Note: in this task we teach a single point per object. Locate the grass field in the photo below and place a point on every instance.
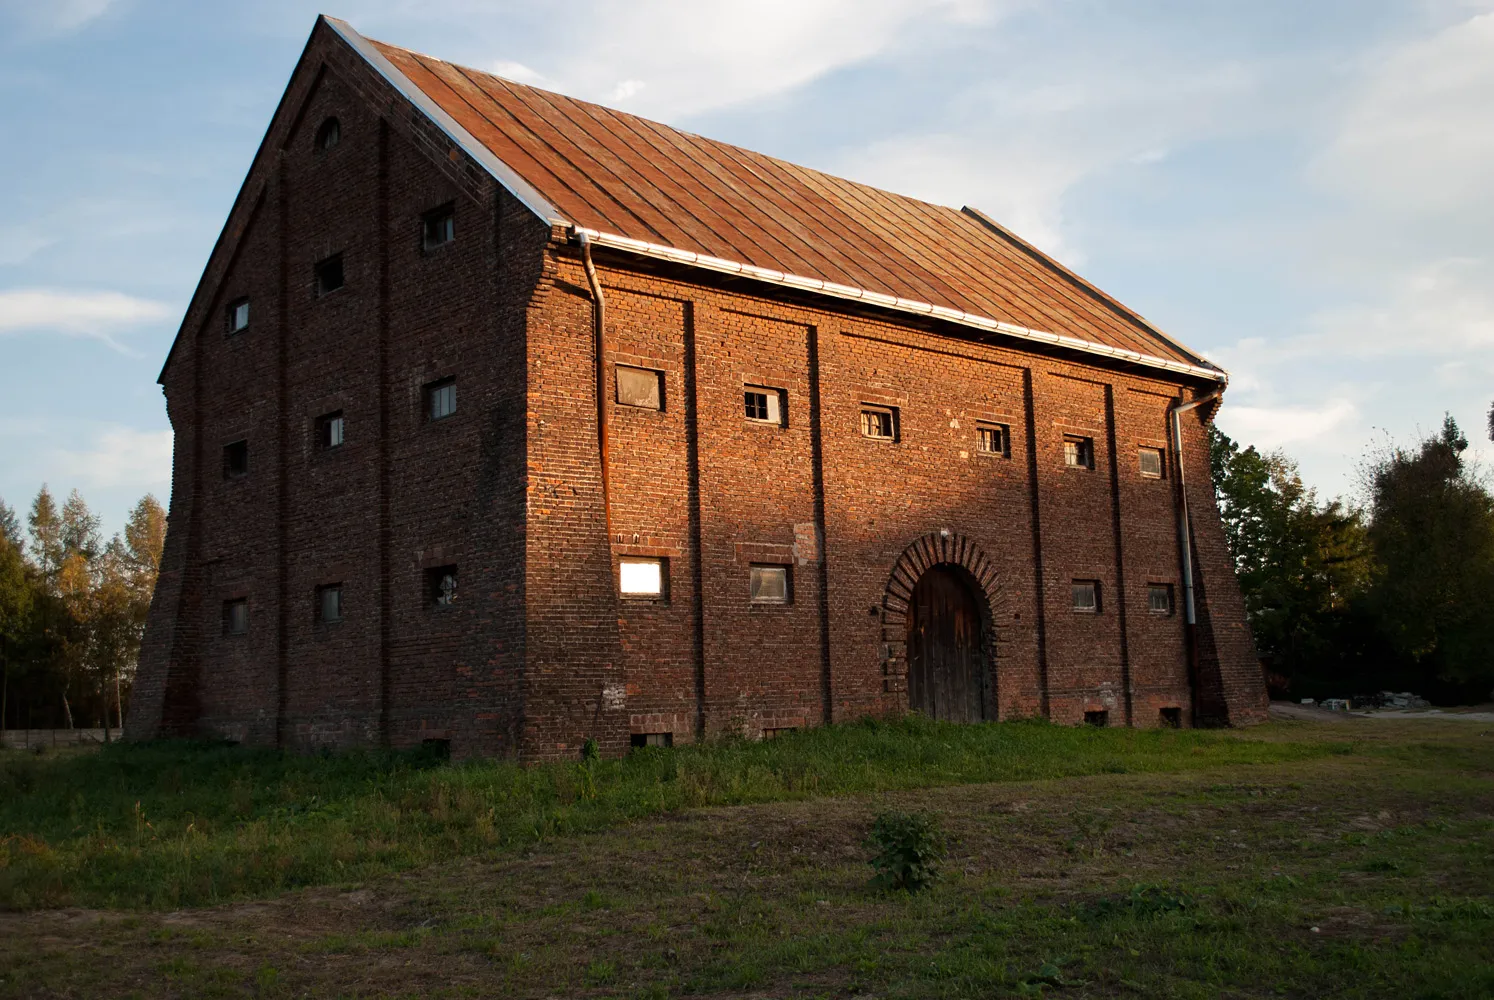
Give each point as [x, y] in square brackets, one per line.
[1352, 859]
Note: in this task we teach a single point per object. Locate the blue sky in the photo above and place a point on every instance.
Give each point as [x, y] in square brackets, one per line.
[1302, 191]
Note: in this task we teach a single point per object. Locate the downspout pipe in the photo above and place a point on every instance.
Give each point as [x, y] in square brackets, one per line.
[599, 323]
[1185, 535]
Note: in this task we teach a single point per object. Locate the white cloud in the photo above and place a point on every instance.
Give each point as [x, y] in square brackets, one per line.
[1418, 139]
[516, 71]
[120, 456]
[55, 17]
[77, 313]
[1269, 427]
[683, 57]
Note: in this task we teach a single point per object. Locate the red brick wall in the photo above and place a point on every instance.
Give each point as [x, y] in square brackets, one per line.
[539, 652]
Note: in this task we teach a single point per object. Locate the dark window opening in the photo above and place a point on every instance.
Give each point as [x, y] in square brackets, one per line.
[1171, 718]
[238, 316]
[440, 398]
[641, 387]
[329, 135]
[879, 423]
[435, 749]
[1078, 452]
[236, 616]
[773, 734]
[763, 405]
[441, 586]
[236, 460]
[329, 430]
[652, 740]
[1159, 598]
[1099, 719]
[329, 603]
[1086, 596]
[438, 227]
[769, 584]
[329, 276]
[993, 439]
[1151, 463]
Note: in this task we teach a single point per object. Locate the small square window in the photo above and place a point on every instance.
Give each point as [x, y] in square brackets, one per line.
[440, 398]
[1099, 719]
[769, 584]
[763, 404]
[879, 422]
[993, 439]
[438, 227]
[640, 740]
[441, 586]
[1086, 596]
[328, 274]
[329, 603]
[640, 387]
[238, 316]
[641, 578]
[1171, 718]
[773, 734]
[329, 429]
[1151, 463]
[236, 616]
[236, 460]
[1159, 598]
[1078, 452]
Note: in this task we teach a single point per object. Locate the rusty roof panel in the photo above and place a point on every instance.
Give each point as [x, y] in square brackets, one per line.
[612, 172]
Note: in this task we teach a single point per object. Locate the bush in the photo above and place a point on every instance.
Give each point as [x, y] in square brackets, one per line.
[909, 849]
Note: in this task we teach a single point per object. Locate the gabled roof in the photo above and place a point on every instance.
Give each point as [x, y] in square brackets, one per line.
[645, 188]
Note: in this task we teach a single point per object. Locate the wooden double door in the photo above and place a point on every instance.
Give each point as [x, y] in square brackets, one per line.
[946, 659]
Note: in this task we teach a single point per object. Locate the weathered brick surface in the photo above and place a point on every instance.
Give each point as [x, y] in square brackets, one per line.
[539, 652]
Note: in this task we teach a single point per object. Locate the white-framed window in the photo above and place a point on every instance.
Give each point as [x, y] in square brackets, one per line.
[642, 577]
[438, 227]
[763, 404]
[879, 422]
[440, 398]
[641, 740]
[1086, 596]
[993, 439]
[329, 603]
[1159, 598]
[1078, 452]
[640, 387]
[769, 584]
[238, 316]
[1151, 463]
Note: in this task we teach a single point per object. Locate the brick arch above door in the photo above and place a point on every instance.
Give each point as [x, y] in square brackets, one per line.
[938, 548]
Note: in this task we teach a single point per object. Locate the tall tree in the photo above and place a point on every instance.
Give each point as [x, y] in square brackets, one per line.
[1300, 563]
[80, 527]
[10, 527]
[1432, 530]
[45, 522]
[16, 603]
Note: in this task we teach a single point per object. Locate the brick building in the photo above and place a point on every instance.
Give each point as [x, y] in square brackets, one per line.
[510, 420]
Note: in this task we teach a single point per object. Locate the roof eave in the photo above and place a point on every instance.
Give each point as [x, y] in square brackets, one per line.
[849, 292]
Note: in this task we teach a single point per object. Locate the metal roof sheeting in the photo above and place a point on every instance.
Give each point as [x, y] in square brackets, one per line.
[692, 198]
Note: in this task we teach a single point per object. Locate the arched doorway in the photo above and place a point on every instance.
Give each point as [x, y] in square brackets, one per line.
[946, 675]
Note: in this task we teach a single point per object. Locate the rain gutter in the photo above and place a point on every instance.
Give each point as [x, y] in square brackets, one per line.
[852, 293]
[1185, 535]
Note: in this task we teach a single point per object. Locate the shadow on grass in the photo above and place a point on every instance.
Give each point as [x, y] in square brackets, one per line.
[177, 824]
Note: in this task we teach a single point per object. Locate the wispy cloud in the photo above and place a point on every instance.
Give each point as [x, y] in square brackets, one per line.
[120, 456]
[54, 17]
[95, 314]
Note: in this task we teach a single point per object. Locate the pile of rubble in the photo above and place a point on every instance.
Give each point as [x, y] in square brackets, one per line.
[1385, 699]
